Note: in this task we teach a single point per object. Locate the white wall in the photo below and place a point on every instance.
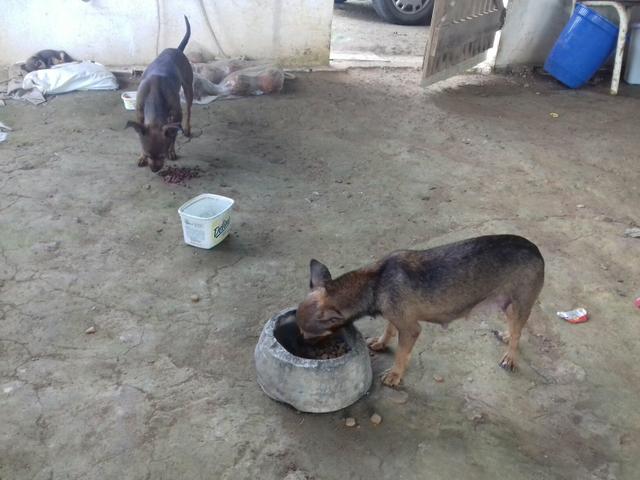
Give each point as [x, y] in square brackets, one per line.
[530, 30]
[133, 32]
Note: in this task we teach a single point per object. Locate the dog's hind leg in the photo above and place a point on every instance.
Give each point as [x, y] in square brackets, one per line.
[517, 315]
[379, 344]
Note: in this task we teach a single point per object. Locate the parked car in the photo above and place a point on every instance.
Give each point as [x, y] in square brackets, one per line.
[403, 12]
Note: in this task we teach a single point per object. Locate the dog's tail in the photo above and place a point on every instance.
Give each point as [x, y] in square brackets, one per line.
[185, 40]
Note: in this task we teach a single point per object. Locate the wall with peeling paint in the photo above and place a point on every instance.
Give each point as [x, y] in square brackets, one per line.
[126, 32]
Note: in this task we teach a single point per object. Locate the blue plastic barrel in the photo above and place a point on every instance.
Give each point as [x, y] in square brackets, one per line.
[583, 46]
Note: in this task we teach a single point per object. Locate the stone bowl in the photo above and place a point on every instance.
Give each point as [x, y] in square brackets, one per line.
[310, 385]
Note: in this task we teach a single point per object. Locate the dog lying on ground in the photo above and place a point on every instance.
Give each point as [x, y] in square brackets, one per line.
[436, 285]
[46, 59]
[158, 109]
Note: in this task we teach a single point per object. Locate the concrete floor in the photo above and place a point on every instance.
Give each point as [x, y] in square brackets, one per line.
[358, 34]
[343, 167]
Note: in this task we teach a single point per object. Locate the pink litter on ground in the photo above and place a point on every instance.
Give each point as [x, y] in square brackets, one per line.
[637, 302]
[180, 175]
[579, 315]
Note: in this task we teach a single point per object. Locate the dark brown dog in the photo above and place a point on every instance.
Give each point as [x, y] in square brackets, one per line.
[158, 109]
[436, 285]
[46, 59]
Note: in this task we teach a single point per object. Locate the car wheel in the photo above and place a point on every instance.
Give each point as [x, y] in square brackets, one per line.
[405, 12]
[339, 1]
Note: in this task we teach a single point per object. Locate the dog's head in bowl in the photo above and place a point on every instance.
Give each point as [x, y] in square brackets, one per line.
[289, 336]
[318, 316]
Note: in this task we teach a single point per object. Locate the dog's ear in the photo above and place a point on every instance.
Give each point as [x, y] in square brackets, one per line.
[172, 129]
[319, 274]
[136, 126]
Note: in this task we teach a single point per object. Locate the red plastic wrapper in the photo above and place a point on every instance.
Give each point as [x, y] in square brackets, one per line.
[637, 302]
[579, 315]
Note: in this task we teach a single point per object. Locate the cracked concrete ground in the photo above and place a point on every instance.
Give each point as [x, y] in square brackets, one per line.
[343, 167]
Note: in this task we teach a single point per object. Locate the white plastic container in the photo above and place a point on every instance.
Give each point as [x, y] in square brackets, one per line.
[129, 99]
[632, 70]
[206, 220]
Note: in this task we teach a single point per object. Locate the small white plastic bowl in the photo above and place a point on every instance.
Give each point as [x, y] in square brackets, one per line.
[206, 220]
[129, 99]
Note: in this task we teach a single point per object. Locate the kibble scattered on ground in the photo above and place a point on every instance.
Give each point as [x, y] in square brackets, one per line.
[180, 175]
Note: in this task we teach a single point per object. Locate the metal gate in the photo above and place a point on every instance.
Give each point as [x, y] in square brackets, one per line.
[461, 32]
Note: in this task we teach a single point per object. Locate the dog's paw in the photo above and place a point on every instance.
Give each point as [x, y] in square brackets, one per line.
[508, 363]
[172, 155]
[142, 161]
[391, 378]
[376, 345]
[502, 336]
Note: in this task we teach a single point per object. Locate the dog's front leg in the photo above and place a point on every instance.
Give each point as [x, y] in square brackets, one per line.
[172, 150]
[407, 336]
[379, 344]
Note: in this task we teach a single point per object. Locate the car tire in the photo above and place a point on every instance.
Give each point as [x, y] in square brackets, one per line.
[395, 11]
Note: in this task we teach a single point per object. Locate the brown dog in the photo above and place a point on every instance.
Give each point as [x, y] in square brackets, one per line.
[436, 285]
[158, 110]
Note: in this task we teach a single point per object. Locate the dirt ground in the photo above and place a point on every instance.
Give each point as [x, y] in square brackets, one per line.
[343, 167]
[357, 32]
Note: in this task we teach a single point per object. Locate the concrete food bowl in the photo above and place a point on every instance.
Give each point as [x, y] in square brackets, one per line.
[311, 385]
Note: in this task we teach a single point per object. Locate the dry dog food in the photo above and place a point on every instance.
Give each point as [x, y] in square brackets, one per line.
[289, 336]
[332, 347]
[180, 175]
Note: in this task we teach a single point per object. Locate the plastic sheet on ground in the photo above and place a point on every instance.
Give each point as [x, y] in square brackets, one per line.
[32, 87]
[70, 77]
[235, 78]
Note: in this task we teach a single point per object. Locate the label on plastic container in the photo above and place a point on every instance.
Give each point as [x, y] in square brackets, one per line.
[219, 230]
[195, 231]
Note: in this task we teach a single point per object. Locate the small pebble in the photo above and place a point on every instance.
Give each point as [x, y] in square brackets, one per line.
[147, 187]
[195, 298]
[376, 419]
[350, 422]
[398, 396]
[554, 115]
[438, 378]
[90, 330]
[580, 205]
[632, 232]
